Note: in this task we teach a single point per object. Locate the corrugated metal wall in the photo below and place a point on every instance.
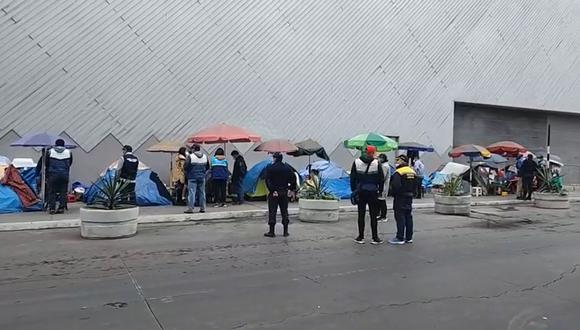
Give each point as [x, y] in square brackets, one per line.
[296, 69]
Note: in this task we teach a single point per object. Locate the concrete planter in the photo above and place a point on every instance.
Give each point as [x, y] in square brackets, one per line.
[313, 210]
[551, 201]
[454, 205]
[102, 224]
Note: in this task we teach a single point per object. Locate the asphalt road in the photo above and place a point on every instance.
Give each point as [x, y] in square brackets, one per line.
[500, 269]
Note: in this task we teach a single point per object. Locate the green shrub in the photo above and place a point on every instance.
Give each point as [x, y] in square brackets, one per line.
[453, 186]
[316, 188]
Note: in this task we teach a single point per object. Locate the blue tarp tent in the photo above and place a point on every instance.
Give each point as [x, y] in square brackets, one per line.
[336, 179]
[9, 200]
[148, 188]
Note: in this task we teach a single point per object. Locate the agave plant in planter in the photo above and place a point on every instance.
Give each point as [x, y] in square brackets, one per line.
[550, 194]
[316, 203]
[452, 199]
[108, 216]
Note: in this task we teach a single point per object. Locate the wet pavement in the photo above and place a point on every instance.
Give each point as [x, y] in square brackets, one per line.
[510, 267]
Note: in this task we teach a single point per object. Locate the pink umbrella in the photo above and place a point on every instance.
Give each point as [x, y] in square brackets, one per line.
[277, 145]
[223, 133]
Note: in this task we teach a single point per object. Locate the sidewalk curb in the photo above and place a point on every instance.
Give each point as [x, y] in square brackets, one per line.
[213, 216]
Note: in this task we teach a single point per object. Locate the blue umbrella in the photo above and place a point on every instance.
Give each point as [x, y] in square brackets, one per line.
[414, 146]
[41, 140]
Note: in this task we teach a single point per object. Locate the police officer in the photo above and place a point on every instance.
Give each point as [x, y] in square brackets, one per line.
[58, 163]
[403, 186]
[367, 182]
[281, 184]
[128, 166]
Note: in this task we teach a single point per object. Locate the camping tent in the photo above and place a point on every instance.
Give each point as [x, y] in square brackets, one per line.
[336, 180]
[149, 190]
[450, 169]
[16, 195]
[254, 185]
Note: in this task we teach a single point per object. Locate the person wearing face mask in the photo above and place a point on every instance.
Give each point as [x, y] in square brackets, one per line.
[128, 166]
[403, 186]
[281, 184]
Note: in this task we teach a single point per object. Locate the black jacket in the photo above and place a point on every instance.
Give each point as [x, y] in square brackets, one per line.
[528, 169]
[240, 169]
[403, 187]
[362, 179]
[128, 167]
[280, 177]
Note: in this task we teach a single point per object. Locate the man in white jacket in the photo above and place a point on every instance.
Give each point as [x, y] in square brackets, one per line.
[383, 198]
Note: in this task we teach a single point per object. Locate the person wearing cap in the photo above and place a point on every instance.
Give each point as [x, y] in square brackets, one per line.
[403, 187]
[367, 183]
[128, 166]
[58, 163]
[281, 184]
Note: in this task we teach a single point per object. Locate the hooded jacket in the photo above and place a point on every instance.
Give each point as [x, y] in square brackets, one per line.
[196, 165]
[367, 174]
[240, 169]
[58, 161]
[178, 172]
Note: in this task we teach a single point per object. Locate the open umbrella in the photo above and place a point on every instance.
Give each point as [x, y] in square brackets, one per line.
[308, 148]
[44, 141]
[169, 147]
[381, 142]
[508, 148]
[472, 151]
[414, 146]
[494, 161]
[277, 145]
[41, 140]
[223, 133]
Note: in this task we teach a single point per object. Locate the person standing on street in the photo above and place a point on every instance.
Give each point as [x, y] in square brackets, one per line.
[238, 175]
[367, 182]
[219, 177]
[383, 198]
[520, 184]
[528, 172]
[281, 184]
[128, 166]
[403, 186]
[178, 176]
[196, 166]
[419, 169]
[58, 163]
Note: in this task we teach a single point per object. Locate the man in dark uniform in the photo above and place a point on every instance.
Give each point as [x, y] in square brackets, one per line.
[403, 186]
[238, 175]
[528, 172]
[128, 167]
[281, 184]
[58, 163]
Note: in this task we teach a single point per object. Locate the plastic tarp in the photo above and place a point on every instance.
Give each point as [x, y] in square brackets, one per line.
[336, 178]
[253, 184]
[9, 200]
[454, 169]
[4, 161]
[148, 191]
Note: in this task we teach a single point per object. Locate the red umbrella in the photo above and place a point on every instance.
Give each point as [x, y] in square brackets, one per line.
[277, 145]
[470, 150]
[223, 133]
[508, 148]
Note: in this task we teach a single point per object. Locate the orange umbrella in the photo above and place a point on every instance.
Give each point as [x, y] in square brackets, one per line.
[277, 145]
[223, 133]
[470, 150]
[508, 148]
[166, 146]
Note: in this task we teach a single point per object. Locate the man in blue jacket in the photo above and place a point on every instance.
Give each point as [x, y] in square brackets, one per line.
[58, 163]
[195, 168]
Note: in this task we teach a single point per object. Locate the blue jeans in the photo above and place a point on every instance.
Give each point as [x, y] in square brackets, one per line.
[196, 186]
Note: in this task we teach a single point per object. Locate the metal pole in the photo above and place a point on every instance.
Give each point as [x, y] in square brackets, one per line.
[43, 178]
[548, 145]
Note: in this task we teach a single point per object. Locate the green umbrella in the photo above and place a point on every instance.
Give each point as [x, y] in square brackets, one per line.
[381, 142]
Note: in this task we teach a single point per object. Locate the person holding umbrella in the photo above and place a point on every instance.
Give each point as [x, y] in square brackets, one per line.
[58, 163]
[367, 183]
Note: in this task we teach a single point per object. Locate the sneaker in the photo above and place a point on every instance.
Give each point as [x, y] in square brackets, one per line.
[396, 241]
[377, 241]
[202, 211]
[60, 211]
[217, 205]
[359, 240]
[384, 219]
[51, 212]
[409, 241]
[269, 234]
[188, 211]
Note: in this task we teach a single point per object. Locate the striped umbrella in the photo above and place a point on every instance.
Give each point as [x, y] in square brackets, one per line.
[381, 142]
